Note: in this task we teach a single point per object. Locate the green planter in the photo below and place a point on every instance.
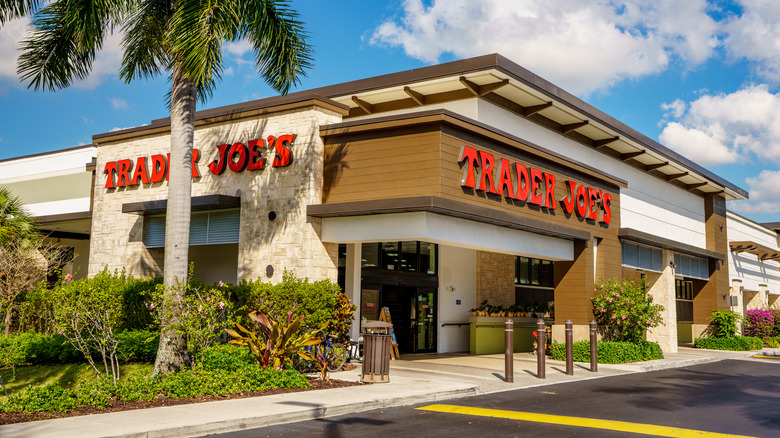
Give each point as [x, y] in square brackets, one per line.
[486, 334]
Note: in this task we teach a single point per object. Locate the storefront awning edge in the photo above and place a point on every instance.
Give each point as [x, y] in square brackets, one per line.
[448, 207]
[207, 202]
[649, 239]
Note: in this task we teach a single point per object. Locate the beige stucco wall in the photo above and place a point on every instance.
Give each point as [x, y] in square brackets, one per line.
[291, 241]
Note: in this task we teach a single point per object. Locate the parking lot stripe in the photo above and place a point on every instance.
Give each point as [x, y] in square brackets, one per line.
[620, 426]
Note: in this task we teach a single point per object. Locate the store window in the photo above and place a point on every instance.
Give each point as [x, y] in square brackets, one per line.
[693, 267]
[206, 228]
[684, 295]
[407, 256]
[534, 272]
[639, 256]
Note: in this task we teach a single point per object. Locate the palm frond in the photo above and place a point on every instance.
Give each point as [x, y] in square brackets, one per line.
[147, 51]
[67, 34]
[10, 9]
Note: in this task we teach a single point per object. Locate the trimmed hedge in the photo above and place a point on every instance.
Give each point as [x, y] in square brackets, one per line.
[32, 348]
[732, 343]
[610, 352]
[189, 383]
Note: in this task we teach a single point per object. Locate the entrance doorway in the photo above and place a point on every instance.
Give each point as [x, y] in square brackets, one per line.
[413, 310]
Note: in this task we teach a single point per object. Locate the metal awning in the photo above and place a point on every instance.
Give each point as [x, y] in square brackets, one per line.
[206, 202]
[650, 239]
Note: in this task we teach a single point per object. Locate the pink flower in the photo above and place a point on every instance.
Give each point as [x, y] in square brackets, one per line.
[151, 306]
[220, 284]
[61, 332]
[200, 308]
[208, 299]
[624, 317]
[221, 305]
[68, 277]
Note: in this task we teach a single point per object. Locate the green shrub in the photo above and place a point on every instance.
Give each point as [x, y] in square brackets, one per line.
[723, 323]
[625, 310]
[138, 345]
[227, 357]
[732, 343]
[316, 301]
[32, 348]
[41, 398]
[609, 352]
[773, 342]
[135, 307]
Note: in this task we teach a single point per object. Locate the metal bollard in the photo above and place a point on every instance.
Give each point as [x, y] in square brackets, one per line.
[594, 353]
[569, 348]
[509, 332]
[541, 341]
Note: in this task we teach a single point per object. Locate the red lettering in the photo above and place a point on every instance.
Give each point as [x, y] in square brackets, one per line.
[240, 164]
[505, 179]
[283, 154]
[487, 162]
[218, 166]
[593, 197]
[523, 182]
[110, 169]
[122, 178]
[159, 168]
[568, 202]
[168, 169]
[470, 167]
[606, 201]
[195, 158]
[549, 198]
[254, 162]
[536, 180]
[582, 201]
[140, 172]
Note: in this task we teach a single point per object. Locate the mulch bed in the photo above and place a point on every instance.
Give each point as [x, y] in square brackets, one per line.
[118, 406]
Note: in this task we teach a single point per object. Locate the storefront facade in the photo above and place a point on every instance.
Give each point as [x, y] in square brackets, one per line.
[427, 192]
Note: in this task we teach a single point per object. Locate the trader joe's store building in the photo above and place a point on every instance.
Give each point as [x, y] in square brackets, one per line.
[427, 192]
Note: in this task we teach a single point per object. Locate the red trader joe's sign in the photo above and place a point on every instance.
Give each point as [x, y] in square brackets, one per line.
[516, 181]
[236, 157]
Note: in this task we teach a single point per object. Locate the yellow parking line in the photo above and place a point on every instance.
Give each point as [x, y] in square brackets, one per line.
[621, 426]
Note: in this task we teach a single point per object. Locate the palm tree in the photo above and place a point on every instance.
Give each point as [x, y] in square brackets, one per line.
[16, 225]
[183, 38]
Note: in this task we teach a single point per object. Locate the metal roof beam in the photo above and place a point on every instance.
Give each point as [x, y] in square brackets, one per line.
[418, 98]
[565, 129]
[675, 176]
[533, 109]
[365, 106]
[481, 90]
[630, 155]
[604, 142]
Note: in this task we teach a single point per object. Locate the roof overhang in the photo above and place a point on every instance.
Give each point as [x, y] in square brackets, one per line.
[761, 251]
[506, 84]
[649, 239]
[207, 202]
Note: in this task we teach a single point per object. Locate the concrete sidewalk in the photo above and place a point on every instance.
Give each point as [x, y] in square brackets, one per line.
[414, 379]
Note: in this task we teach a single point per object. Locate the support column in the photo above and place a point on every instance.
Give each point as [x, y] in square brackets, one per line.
[664, 293]
[352, 283]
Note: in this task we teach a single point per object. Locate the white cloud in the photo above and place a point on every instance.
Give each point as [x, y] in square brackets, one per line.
[11, 34]
[722, 128]
[764, 196]
[238, 48]
[106, 63]
[582, 45]
[755, 36]
[118, 104]
[675, 109]
[117, 128]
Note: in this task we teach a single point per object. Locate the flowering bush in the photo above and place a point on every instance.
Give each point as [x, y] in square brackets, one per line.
[625, 310]
[760, 323]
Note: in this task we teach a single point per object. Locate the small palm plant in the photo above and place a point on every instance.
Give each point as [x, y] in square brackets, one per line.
[274, 343]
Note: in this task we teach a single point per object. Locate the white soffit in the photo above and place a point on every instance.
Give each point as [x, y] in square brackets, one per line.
[436, 228]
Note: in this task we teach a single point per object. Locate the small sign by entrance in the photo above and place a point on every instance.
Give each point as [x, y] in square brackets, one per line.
[384, 315]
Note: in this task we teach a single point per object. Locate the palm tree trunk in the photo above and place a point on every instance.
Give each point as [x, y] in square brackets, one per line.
[172, 353]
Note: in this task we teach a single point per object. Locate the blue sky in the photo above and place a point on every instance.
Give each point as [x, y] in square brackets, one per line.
[700, 76]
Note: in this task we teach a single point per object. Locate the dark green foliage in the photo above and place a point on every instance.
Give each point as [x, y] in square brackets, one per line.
[732, 343]
[138, 346]
[135, 307]
[32, 348]
[610, 352]
[723, 323]
[773, 342]
[189, 383]
[315, 300]
[227, 357]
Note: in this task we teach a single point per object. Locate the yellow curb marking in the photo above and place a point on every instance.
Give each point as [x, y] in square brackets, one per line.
[621, 426]
[767, 357]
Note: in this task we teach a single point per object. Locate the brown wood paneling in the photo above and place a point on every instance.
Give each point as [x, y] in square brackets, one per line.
[710, 294]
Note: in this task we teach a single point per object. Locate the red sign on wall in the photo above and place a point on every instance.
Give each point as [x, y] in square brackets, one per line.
[516, 181]
[236, 157]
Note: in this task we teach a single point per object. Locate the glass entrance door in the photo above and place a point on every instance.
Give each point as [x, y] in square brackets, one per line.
[425, 317]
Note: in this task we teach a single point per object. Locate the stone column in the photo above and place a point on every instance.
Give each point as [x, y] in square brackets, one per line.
[663, 292]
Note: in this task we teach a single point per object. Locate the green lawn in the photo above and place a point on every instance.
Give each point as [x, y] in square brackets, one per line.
[68, 376]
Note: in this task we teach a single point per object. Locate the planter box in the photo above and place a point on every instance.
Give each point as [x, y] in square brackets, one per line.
[486, 334]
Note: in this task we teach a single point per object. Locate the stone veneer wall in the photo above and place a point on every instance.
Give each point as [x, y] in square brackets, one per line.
[290, 242]
[495, 278]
